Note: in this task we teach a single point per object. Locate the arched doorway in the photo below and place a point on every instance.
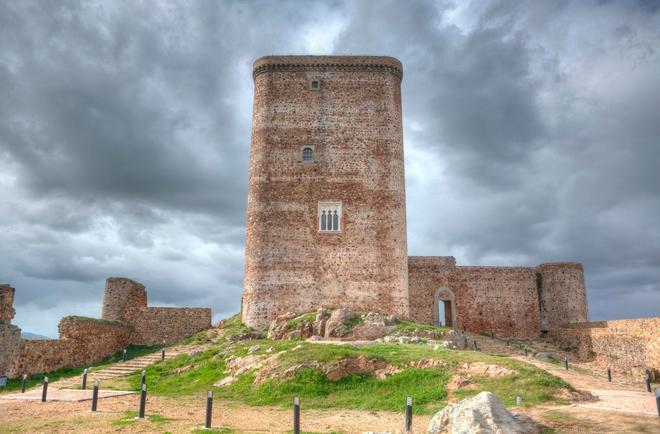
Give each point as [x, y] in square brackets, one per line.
[444, 312]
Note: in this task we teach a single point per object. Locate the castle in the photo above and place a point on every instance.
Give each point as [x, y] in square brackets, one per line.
[326, 214]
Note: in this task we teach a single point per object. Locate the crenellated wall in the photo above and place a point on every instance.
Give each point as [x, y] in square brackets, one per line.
[508, 301]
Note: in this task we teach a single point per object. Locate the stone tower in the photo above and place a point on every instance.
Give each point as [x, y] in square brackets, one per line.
[326, 214]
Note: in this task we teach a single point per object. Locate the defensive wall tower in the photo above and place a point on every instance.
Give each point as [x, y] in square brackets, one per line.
[120, 295]
[326, 213]
[563, 294]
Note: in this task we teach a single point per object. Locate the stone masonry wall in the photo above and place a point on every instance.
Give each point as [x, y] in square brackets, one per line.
[120, 294]
[563, 295]
[83, 341]
[503, 300]
[354, 124]
[10, 335]
[629, 346]
[155, 325]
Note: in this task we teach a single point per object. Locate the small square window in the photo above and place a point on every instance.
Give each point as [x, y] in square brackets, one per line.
[315, 85]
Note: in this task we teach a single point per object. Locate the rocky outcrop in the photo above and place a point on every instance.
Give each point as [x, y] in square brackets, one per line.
[374, 326]
[338, 323]
[483, 413]
[355, 365]
[485, 370]
[284, 328]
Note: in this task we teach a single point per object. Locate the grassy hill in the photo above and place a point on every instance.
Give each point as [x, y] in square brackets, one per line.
[284, 369]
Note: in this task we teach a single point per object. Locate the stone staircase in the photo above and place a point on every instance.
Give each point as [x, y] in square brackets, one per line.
[115, 370]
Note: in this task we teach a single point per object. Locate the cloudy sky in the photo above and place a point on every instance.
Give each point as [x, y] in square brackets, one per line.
[532, 134]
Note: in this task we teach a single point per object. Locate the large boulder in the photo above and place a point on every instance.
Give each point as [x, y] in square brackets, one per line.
[322, 316]
[374, 326]
[481, 414]
[337, 324]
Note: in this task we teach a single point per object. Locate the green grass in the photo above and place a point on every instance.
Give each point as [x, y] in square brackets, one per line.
[408, 327]
[299, 320]
[129, 418]
[426, 386]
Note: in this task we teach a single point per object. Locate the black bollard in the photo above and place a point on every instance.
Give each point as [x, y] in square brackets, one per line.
[492, 335]
[648, 382]
[609, 374]
[507, 342]
[408, 423]
[296, 415]
[657, 399]
[209, 409]
[475, 345]
[566, 363]
[123, 357]
[143, 378]
[525, 348]
[465, 344]
[44, 392]
[83, 386]
[23, 383]
[95, 395]
[162, 354]
[143, 401]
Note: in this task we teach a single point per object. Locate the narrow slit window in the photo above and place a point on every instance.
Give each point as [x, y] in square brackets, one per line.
[314, 85]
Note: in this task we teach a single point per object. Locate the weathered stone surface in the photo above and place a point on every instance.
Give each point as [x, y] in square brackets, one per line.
[336, 326]
[7, 311]
[485, 369]
[280, 326]
[374, 326]
[356, 365]
[353, 122]
[322, 316]
[628, 346]
[482, 414]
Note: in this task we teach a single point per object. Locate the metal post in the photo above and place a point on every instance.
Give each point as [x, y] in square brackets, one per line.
[507, 342]
[296, 415]
[475, 345]
[143, 401]
[209, 409]
[566, 363]
[609, 374]
[44, 392]
[143, 378]
[162, 354]
[83, 386]
[123, 357]
[465, 344]
[408, 423]
[23, 383]
[648, 382]
[657, 399]
[492, 335]
[95, 395]
[518, 401]
[525, 348]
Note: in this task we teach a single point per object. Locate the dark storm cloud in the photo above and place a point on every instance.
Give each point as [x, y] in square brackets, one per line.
[531, 135]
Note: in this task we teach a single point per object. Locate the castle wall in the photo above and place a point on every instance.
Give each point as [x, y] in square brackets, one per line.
[155, 325]
[517, 302]
[354, 124]
[121, 294]
[10, 335]
[83, 341]
[563, 295]
[126, 300]
[629, 346]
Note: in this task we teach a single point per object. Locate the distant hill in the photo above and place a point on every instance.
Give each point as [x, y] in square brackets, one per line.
[28, 335]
